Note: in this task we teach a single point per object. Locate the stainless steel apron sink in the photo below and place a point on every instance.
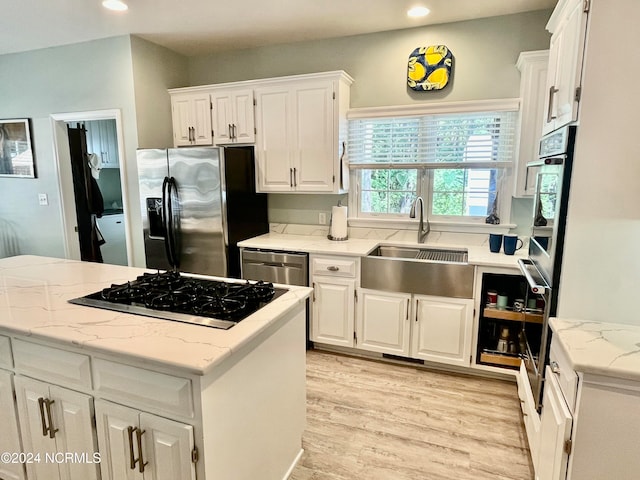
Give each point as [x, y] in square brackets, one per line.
[428, 271]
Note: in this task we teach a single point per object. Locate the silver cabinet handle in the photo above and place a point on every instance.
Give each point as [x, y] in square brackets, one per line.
[313, 294]
[233, 126]
[291, 177]
[555, 368]
[333, 268]
[45, 429]
[47, 404]
[552, 92]
[408, 307]
[132, 459]
[295, 181]
[141, 462]
[47, 424]
[230, 133]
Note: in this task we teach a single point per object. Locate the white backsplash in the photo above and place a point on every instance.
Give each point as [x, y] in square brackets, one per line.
[387, 234]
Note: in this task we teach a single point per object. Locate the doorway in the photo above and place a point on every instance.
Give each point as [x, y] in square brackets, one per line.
[115, 226]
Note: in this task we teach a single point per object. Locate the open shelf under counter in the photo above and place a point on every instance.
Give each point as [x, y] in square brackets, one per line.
[498, 358]
[508, 314]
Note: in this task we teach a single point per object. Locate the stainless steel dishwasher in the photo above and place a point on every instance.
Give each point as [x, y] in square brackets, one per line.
[289, 268]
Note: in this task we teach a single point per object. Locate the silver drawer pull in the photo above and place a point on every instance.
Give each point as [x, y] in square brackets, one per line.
[333, 268]
[555, 368]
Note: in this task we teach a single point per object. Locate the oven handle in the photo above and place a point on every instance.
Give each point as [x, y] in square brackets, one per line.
[533, 284]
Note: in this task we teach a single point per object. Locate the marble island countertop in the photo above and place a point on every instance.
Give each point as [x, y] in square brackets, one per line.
[34, 294]
[609, 349]
[317, 244]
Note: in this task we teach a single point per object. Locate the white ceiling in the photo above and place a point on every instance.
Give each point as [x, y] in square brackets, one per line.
[196, 27]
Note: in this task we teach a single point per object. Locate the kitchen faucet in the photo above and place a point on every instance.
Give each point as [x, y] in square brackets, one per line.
[422, 231]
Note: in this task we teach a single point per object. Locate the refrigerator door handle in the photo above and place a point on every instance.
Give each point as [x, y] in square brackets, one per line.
[167, 215]
[171, 231]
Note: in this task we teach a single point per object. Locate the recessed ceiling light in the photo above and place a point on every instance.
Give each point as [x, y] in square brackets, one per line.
[418, 12]
[117, 5]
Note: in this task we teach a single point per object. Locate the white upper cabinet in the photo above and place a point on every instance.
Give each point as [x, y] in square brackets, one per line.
[191, 114]
[533, 75]
[567, 25]
[102, 140]
[301, 124]
[233, 116]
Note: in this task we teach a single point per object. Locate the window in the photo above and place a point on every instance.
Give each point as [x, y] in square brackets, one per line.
[457, 161]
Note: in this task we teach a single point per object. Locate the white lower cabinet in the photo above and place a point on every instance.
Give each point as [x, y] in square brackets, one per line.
[333, 318]
[555, 432]
[56, 421]
[383, 322]
[442, 329]
[138, 445]
[9, 437]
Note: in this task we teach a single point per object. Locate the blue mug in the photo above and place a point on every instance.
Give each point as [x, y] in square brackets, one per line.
[511, 244]
[495, 242]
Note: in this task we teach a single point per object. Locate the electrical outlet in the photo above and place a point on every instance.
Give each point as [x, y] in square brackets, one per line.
[43, 199]
[322, 218]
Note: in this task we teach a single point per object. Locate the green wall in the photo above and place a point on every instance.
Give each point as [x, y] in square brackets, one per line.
[485, 54]
[81, 77]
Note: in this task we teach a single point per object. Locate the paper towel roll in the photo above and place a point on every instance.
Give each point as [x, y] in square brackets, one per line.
[338, 229]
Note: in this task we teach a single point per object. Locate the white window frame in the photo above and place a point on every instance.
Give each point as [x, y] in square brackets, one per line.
[441, 223]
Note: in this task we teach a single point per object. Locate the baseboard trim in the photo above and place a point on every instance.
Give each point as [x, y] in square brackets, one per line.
[293, 465]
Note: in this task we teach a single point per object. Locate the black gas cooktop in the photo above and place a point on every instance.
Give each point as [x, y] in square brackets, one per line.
[174, 296]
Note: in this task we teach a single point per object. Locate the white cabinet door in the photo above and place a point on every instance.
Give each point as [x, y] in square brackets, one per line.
[191, 116]
[442, 329]
[555, 431]
[383, 323]
[9, 438]
[64, 426]
[167, 448]
[181, 117]
[166, 445]
[233, 116]
[222, 117]
[333, 311]
[273, 144]
[72, 416]
[533, 68]
[568, 25]
[33, 423]
[201, 120]
[115, 441]
[314, 140]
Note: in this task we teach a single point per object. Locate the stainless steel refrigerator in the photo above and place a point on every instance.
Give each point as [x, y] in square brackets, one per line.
[197, 204]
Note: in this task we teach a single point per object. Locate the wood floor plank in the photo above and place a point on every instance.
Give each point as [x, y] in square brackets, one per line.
[379, 421]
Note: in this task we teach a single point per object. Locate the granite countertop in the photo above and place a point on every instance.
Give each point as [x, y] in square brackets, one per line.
[478, 255]
[609, 349]
[33, 302]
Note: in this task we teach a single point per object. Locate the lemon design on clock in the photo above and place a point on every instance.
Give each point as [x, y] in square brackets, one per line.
[429, 68]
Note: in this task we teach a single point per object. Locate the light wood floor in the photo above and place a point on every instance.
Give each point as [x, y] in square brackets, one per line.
[377, 421]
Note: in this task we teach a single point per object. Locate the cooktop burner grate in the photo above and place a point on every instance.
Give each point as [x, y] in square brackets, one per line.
[173, 296]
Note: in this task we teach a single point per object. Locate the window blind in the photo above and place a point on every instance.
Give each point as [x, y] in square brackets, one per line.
[433, 141]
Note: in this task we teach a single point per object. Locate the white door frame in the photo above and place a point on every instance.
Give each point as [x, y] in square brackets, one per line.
[65, 177]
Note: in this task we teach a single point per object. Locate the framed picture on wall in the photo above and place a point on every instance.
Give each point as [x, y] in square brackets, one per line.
[16, 152]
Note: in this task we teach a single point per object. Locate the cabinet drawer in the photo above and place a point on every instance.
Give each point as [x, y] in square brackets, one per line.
[334, 266]
[566, 376]
[144, 388]
[5, 352]
[52, 364]
[529, 413]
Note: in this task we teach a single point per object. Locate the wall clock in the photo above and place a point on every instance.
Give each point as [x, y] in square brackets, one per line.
[429, 68]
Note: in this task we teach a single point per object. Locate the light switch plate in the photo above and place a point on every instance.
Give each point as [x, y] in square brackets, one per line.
[43, 199]
[322, 218]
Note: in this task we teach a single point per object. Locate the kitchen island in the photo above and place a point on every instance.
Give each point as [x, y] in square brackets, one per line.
[200, 402]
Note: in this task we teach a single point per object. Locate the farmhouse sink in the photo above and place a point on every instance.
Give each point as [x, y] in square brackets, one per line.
[427, 271]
